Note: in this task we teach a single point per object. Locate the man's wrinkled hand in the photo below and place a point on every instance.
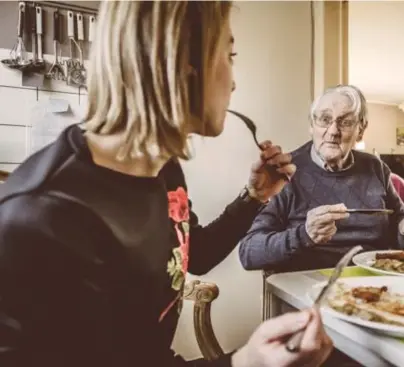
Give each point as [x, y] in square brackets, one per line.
[320, 222]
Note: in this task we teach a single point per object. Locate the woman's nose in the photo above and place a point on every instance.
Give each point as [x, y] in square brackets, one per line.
[233, 87]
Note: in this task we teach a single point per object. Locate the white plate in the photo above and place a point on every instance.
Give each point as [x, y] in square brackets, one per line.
[365, 260]
[394, 284]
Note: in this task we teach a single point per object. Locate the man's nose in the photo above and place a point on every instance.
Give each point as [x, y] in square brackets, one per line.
[334, 129]
[233, 87]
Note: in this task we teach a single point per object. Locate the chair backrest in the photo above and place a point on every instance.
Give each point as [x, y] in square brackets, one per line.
[3, 175]
[203, 294]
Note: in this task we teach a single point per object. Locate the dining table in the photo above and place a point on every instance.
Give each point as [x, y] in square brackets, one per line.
[289, 291]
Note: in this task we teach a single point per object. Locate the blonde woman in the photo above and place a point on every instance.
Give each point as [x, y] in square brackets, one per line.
[96, 234]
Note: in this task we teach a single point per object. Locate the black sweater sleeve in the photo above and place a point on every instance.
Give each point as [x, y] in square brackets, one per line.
[212, 243]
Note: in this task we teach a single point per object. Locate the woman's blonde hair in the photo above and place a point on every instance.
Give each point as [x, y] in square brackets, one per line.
[149, 66]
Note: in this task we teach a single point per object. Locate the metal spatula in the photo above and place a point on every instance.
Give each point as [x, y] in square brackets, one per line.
[33, 76]
[253, 128]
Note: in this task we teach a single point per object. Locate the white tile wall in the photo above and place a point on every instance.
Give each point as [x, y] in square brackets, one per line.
[19, 108]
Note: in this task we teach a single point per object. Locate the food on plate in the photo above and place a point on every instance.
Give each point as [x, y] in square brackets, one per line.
[399, 255]
[390, 261]
[376, 304]
[368, 294]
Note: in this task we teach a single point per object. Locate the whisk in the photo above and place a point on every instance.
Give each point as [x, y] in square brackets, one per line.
[18, 53]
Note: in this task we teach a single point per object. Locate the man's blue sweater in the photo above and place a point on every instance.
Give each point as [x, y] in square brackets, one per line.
[278, 238]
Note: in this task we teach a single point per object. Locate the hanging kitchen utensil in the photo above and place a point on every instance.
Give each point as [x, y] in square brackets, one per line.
[91, 34]
[56, 70]
[39, 33]
[78, 76]
[91, 28]
[31, 15]
[70, 63]
[18, 55]
[32, 75]
[80, 30]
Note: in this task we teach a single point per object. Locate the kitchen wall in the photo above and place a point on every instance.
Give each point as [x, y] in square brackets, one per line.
[384, 119]
[272, 72]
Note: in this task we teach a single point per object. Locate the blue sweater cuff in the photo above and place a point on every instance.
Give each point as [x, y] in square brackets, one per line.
[306, 241]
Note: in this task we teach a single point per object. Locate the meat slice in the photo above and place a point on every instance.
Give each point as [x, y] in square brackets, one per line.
[393, 255]
[368, 294]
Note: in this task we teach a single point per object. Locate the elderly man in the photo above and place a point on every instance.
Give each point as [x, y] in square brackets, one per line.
[307, 225]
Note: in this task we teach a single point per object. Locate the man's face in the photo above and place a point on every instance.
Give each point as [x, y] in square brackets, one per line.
[335, 129]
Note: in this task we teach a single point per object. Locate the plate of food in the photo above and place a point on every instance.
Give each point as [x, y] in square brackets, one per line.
[388, 262]
[376, 303]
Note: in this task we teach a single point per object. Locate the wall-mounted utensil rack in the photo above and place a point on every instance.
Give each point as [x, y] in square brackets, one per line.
[65, 6]
[73, 34]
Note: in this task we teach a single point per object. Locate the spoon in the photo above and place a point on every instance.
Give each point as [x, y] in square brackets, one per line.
[253, 128]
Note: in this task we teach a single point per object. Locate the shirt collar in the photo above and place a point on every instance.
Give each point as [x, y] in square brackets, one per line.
[348, 163]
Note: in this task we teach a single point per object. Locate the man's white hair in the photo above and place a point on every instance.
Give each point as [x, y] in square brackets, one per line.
[359, 104]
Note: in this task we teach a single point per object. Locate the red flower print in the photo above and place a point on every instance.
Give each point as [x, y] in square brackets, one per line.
[178, 209]
[177, 267]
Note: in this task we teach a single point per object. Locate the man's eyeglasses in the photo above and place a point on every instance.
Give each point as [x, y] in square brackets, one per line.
[343, 123]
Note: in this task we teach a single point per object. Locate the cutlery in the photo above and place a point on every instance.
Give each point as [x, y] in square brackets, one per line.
[371, 211]
[253, 128]
[293, 344]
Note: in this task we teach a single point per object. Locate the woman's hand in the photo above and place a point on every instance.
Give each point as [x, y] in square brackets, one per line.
[266, 347]
[264, 183]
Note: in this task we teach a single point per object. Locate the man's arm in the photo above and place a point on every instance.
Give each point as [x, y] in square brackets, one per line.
[269, 242]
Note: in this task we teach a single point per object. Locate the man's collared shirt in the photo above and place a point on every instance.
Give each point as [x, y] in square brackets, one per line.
[349, 161]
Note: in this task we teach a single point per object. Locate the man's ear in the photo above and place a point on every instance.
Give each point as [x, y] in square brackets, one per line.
[311, 129]
[362, 129]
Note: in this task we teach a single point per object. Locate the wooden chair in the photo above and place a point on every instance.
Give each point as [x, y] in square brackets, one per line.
[3, 175]
[202, 294]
